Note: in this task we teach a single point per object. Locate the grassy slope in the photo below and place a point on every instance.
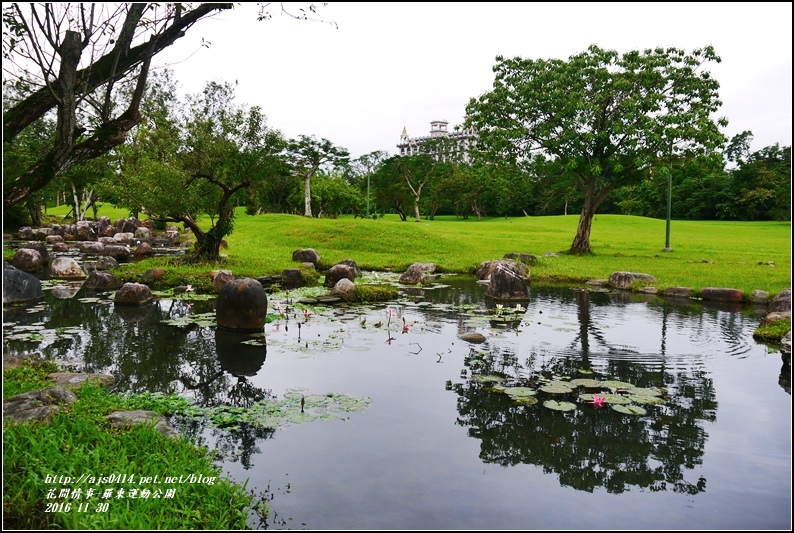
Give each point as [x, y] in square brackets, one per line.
[705, 253]
[732, 249]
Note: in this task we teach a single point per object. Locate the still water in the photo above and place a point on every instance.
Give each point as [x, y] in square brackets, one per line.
[441, 445]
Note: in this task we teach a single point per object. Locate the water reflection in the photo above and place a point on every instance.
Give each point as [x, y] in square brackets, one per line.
[433, 425]
[589, 448]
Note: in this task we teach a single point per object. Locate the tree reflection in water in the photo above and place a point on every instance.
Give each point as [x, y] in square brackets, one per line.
[589, 448]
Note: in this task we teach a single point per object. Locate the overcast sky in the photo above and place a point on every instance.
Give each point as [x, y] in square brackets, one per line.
[385, 66]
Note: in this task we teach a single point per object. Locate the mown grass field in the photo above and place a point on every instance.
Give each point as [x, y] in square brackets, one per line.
[736, 255]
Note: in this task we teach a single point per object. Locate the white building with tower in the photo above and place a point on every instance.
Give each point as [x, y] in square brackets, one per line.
[455, 144]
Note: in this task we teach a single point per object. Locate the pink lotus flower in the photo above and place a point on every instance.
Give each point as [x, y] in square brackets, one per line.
[598, 402]
[189, 288]
[307, 312]
[188, 306]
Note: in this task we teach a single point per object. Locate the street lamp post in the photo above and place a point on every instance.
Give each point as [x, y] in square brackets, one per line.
[669, 202]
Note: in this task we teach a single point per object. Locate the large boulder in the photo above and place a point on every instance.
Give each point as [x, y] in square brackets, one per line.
[133, 294]
[345, 289]
[507, 282]
[241, 305]
[307, 255]
[487, 267]
[779, 308]
[220, 279]
[99, 280]
[19, 286]
[781, 302]
[127, 419]
[66, 268]
[38, 405]
[28, 260]
[624, 280]
[144, 250]
[118, 252]
[337, 272]
[39, 247]
[720, 294]
[353, 265]
[418, 273]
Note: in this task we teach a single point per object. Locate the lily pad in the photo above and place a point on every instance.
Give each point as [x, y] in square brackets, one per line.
[559, 406]
[557, 387]
[519, 392]
[646, 391]
[647, 400]
[587, 383]
[630, 409]
[615, 398]
[617, 385]
[481, 378]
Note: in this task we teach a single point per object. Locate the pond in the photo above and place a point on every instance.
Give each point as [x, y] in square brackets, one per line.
[414, 428]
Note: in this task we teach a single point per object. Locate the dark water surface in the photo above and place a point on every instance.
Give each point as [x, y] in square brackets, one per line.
[437, 448]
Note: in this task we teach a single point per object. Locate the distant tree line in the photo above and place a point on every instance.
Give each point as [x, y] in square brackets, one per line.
[599, 132]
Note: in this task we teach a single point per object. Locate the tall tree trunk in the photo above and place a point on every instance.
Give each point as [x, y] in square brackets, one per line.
[581, 242]
[307, 196]
[416, 209]
[208, 244]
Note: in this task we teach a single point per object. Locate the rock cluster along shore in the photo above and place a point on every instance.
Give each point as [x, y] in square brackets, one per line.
[43, 404]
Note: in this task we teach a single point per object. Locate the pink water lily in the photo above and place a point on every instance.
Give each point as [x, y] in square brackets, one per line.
[307, 312]
[189, 288]
[598, 402]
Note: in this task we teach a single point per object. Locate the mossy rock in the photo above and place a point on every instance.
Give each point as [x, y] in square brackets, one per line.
[380, 292]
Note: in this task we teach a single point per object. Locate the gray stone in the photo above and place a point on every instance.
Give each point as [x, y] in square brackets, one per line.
[106, 263]
[118, 252]
[345, 289]
[678, 292]
[220, 279]
[66, 268]
[126, 419]
[337, 272]
[624, 280]
[75, 380]
[474, 338]
[507, 282]
[417, 273]
[353, 265]
[28, 260]
[306, 255]
[241, 305]
[527, 259]
[39, 405]
[721, 294]
[760, 297]
[781, 302]
[133, 294]
[19, 286]
[99, 280]
[144, 250]
[785, 349]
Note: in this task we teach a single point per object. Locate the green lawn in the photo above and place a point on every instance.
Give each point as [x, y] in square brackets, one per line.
[704, 253]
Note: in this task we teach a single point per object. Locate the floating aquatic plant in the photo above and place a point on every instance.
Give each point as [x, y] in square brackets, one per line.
[559, 406]
[630, 409]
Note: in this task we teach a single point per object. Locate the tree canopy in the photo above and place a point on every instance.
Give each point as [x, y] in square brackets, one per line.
[74, 57]
[600, 119]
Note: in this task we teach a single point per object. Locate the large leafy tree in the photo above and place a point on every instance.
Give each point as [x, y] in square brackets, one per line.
[79, 55]
[176, 173]
[602, 119]
[307, 155]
